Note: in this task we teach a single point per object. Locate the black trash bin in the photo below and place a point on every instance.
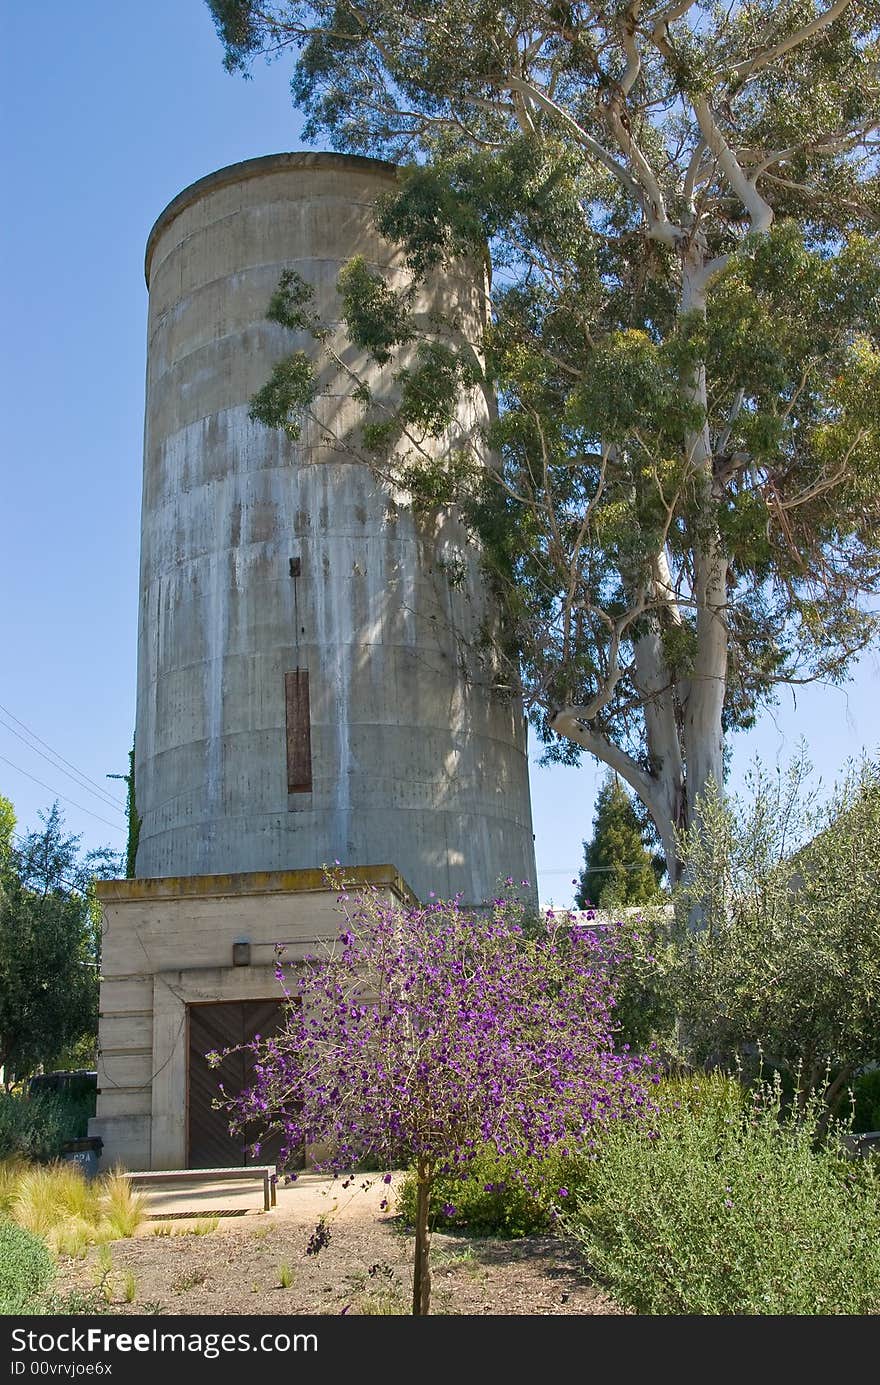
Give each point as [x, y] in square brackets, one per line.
[85, 1153]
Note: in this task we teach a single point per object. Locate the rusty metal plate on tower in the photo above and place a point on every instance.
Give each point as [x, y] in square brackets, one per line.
[299, 731]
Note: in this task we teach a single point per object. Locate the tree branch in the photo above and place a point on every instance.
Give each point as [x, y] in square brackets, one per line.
[569, 722]
[514, 84]
[760, 212]
[750, 66]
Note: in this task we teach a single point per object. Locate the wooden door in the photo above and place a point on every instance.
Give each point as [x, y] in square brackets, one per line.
[213, 1028]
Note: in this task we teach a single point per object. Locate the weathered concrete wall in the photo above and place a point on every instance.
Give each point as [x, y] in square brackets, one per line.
[413, 759]
[167, 944]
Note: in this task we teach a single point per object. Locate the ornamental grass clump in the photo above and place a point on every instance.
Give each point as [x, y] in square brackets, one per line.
[725, 1204]
[58, 1203]
[425, 1034]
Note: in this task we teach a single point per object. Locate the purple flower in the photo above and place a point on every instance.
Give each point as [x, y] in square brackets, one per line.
[448, 1209]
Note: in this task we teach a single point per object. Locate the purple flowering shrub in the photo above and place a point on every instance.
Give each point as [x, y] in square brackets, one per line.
[429, 1032]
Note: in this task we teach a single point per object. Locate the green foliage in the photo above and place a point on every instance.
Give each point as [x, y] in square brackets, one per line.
[782, 970]
[134, 820]
[49, 946]
[618, 868]
[131, 813]
[289, 304]
[7, 826]
[377, 318]
[36, 1127]
[728, 1207]
[508, 1196]
[26, 1267]
[864, 1109]
[646, 980]
[788, 958]
[289, 391]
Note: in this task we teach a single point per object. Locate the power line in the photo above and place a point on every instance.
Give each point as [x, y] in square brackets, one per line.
[77, 778]
[56, 753]
[114, 825]
[631, 865]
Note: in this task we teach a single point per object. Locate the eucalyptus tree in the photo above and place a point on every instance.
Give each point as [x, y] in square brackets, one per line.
[679, 205]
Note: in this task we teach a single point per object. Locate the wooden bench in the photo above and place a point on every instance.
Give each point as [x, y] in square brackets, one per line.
[265, 1172]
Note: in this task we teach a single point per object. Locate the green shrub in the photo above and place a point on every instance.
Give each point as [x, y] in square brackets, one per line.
[728, 1207]
[866, 1101]
[498, 1196]
[36, 1127]
[26, 1267]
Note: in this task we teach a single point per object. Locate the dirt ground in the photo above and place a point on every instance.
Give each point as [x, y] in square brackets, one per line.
[258, 1263]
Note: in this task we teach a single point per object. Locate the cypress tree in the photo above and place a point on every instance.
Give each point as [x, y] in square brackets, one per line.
[618, 867]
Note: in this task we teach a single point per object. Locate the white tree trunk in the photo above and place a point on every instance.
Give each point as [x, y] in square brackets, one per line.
[654, 681]
[703, 735]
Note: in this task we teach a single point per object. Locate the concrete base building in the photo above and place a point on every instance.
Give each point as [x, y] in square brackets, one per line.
[310, 686]
[189, 966]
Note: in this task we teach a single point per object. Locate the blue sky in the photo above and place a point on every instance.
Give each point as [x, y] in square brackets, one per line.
[108, 110]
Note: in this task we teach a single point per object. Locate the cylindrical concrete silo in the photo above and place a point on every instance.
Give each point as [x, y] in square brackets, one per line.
[303, 683]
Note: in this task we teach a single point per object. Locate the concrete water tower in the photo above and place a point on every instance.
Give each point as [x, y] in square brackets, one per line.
[308, 688]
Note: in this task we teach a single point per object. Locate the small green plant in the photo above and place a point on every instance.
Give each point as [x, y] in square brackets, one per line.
[188, 1279]
[102, 1273]
[79, 1303]
[285, 1276]
[726, 1205]
[129, 1287]
[151, 1306]
[205, 1226]
[454, 1259]
[382, 1303]
[26, 1267]
[73, 1240]
[377, 1292]
[163, 1228]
